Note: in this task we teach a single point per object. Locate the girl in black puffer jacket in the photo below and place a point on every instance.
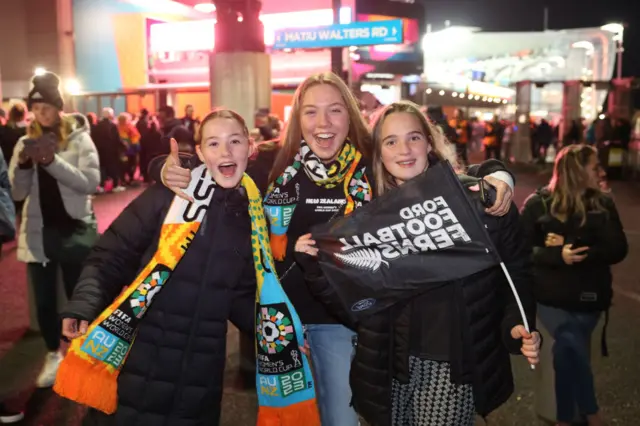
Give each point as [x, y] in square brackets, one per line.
[576, 235]
[442, 356]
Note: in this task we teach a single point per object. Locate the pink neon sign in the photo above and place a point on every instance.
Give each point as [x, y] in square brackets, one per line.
[199, 35]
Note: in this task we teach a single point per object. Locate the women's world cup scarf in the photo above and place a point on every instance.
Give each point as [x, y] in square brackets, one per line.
[283, 195]
[89, 372]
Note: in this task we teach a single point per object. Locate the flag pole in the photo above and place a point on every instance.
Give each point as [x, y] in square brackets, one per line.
[518, 301]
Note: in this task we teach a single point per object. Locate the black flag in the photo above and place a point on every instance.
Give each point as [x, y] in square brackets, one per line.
[419, 236]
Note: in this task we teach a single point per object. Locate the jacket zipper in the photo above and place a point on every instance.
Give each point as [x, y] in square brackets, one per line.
[184, 362]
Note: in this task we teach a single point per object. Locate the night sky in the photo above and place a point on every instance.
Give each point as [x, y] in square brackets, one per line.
[527, 15]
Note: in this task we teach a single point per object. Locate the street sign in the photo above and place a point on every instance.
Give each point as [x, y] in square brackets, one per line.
[354, 34]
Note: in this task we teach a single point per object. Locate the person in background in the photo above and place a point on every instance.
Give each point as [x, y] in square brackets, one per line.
[3, 116]
[7, 207]
[462, 135]
[55, 168]
[150, 147]
[576, 235]
[190, 121]
[491, 139]
[7, 233]
[172, 128]
[109, 145]
[131, 140]
[14, 129]
[142, 123]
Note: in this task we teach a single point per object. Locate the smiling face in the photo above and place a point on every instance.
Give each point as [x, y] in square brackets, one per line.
[324, 121]
[46, 115]
[404, 146]
[225, 149]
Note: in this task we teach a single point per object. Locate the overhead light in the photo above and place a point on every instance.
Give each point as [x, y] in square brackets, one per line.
[484, 99]
[505, 101]
[601, 116]
[454, 94]
[72, 86]
[240, 18]
[476, 97]
[428, 91]
[442, 93]
[205, 7]
[39, 71]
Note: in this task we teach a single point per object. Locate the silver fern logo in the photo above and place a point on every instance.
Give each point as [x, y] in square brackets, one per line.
[365, 258]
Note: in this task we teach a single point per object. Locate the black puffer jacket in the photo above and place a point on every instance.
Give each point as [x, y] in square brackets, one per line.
[586, 285]
[173, 375]
[488, 311]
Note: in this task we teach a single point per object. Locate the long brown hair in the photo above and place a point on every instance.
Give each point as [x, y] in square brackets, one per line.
[65, 126]
[569, 184]
[358, 132]
[439, 144]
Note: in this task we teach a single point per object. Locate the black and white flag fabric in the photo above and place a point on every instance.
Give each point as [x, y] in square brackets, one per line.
[419, 236]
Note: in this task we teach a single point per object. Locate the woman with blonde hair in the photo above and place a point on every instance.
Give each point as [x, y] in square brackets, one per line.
[55, 170]
[443, 355]
[322, 170]
[576, 235]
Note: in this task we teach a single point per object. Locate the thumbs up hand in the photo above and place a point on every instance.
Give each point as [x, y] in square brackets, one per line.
[174, 176]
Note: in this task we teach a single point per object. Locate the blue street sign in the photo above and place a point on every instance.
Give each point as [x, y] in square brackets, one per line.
[354, 34]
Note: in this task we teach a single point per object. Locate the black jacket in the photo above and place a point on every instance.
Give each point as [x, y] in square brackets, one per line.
[486, 314]
[174, 372]
[573, 287]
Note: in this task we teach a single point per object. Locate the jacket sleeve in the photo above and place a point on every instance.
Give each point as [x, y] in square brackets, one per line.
[491, 167]
[516, 256]
[19, 177]
[243, 308]
[114, 261]
[612, 246]
[541, 255]
[322, 290]
[86, 177]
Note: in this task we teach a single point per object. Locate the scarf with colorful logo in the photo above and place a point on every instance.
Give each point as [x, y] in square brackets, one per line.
[89, 372]
[346, 170]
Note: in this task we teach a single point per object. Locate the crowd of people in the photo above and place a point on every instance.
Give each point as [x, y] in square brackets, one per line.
[439, 358]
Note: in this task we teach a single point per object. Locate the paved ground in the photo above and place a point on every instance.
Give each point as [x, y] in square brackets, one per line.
[617, 377]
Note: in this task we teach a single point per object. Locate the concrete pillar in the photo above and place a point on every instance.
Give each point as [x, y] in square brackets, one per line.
[240, 75]
[36, 40]
[571, 100]
[620, 99]
[522, 143]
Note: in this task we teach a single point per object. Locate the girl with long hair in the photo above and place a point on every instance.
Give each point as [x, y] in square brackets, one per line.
[55, 170]
[321, 170]
[442, 356]
[576, 235]
[204, 276]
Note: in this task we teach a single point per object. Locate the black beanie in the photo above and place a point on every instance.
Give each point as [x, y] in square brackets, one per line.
[45, 88]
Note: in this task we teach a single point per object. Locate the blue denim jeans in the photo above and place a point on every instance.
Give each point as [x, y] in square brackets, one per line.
[571, 361]
[332, 349]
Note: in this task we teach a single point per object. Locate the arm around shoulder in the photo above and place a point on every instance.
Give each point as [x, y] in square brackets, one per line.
[322, 290]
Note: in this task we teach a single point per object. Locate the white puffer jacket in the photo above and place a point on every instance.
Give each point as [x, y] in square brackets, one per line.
[77, 171]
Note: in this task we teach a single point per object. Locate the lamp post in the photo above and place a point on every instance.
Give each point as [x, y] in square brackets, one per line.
[618, 30]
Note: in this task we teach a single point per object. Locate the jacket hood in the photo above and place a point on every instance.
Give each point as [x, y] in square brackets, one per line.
[80, 125]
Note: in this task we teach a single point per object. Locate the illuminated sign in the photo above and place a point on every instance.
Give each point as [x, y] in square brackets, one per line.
[199, 35]
[354, 34]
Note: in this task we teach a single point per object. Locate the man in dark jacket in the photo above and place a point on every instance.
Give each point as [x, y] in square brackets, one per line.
[110, 147]
[173, 128]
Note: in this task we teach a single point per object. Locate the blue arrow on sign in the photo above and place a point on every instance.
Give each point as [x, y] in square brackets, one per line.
[354, 34]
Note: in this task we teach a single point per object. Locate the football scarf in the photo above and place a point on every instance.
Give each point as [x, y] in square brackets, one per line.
[345, 170]
[286, 394]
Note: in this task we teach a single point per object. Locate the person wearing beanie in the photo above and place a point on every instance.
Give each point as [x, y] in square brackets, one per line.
[55, 170]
